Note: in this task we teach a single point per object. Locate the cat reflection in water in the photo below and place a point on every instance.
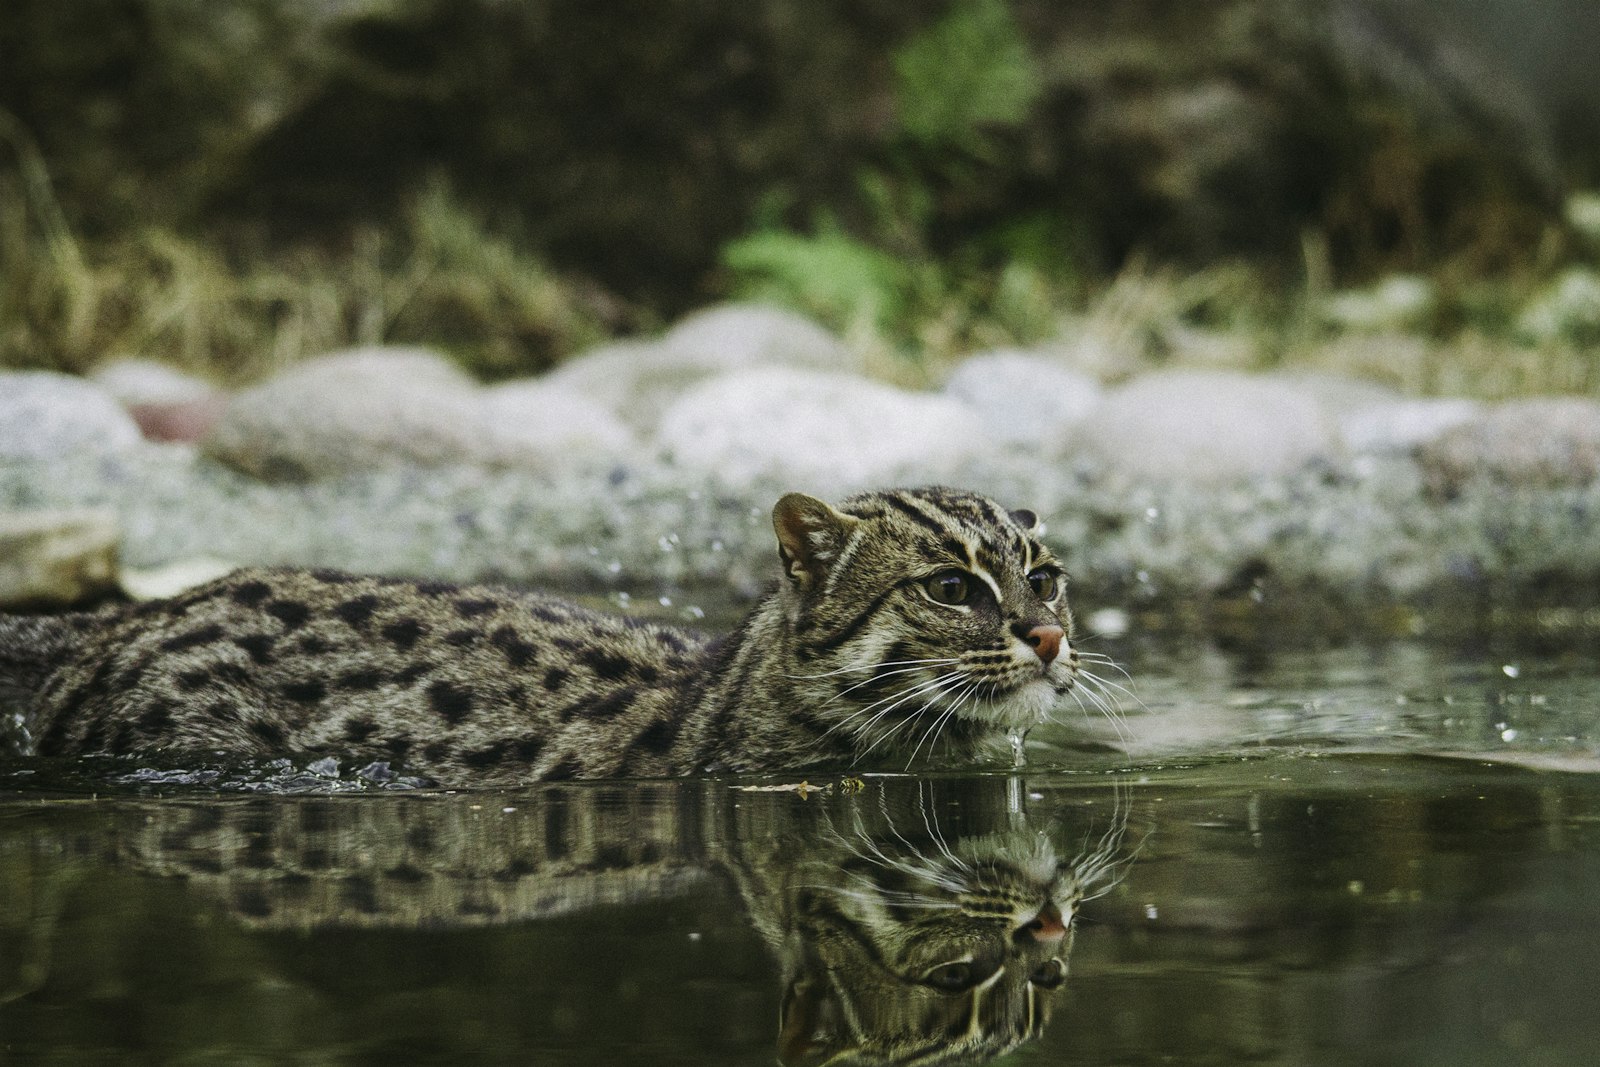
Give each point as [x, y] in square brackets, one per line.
[912, 923]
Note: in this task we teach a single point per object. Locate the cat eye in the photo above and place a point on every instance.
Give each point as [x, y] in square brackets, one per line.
[952, 977]
[1049, 974]
[1044, 584]
[949, 587]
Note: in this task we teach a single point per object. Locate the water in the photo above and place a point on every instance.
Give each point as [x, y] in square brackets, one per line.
[1382, 854]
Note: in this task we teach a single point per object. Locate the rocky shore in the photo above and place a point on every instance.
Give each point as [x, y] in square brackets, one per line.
[649, 468]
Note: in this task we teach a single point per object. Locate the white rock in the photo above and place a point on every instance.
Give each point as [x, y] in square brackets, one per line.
[534, 422]
[1400, 425]
[1398, 302]
[820, 432]
[1022, 398]
[43, 414]
[158, 583]
[351, 411]
[1540, 441]
[747, 335]
[637, 379]
[1205, 427]
[144, 381]
[1568, 309]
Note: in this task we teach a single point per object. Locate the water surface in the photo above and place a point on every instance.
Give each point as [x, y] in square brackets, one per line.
[1383, 854]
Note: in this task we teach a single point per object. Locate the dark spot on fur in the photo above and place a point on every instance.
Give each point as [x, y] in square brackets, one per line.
[555, 678]
[471, 608]
[462, 638]
[357, 611]
[398, 746]
[251, 593]
[312, 645]
[450, 702]
[309, 691]
[403, 633]
[437, 751]
[121, 739]
[488, 756]
[433, 588]
[609, 706]
[413, 674]
[193, 639]
[548, 614]
[222, 711]
[157, 718]
[605, 664]
[405, 872]
[269, 733]
[189, 681]
[291, 613]
[566, 769]
[259, 646]
[645, 673]
[660, 736]
[359, 892]
[517, 696]
[363, 681]
[359, 728]
[518, 652]
[334, 577]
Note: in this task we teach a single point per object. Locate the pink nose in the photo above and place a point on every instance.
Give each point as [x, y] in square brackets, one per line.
[1046, 641]
[1047, 925]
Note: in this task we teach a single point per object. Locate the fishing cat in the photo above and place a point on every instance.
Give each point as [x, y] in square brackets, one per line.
[905, 619]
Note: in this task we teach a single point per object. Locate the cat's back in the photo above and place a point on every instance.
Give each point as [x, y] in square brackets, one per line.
[319, 659]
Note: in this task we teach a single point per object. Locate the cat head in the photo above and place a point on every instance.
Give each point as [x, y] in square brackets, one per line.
[921, 616]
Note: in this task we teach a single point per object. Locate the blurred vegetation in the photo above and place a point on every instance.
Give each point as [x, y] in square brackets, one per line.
[232, 190]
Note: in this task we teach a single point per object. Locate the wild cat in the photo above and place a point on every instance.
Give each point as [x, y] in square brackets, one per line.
[905, 620]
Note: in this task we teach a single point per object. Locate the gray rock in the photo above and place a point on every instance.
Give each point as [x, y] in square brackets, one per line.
[540, 424]
[1541, 441]
[1205, 427]
[352, 411]
[52, 559]
[1021, 398]
[145, 381]
[44, 414]
[1403, 424]
[1567, 310]
[820, 432]
[638, 379]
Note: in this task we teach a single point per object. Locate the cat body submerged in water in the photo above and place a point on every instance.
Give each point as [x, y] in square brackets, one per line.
[906, 620]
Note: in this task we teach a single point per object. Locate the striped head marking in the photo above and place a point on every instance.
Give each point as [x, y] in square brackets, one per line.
[923, 615]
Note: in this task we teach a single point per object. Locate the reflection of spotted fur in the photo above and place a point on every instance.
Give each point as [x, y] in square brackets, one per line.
[861, 650]
[896, 939]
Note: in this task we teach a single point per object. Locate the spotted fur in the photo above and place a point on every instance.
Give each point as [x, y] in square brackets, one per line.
[851, 658]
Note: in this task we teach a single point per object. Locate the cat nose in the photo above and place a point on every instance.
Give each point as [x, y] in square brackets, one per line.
[1045, 640]
[1045, 927]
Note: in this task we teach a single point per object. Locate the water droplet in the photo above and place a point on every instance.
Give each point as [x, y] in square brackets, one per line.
[1510, 670]
[664, 601]
[1508, 734]
[1151, 913]
[1018, 758]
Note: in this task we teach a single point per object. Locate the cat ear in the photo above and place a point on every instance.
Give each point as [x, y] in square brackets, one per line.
[810, 535]
[1024, 518]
